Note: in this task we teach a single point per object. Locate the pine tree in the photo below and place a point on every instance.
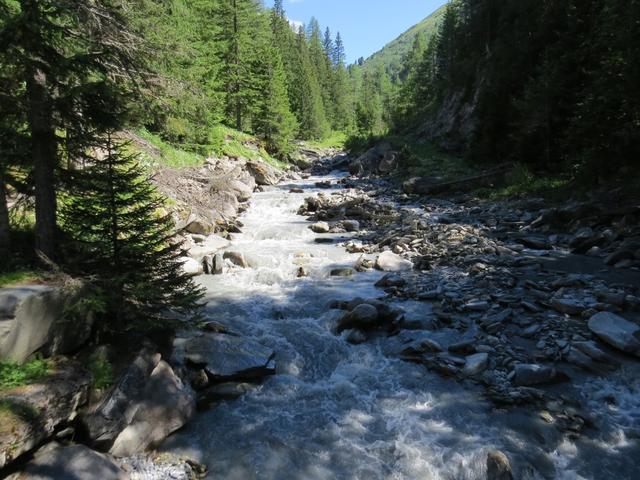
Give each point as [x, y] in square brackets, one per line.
[339, 55]
[123, 243]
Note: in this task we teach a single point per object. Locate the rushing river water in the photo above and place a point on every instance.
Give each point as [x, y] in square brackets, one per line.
[337, 411]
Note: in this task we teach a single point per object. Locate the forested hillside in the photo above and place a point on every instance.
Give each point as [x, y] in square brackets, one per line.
[551, 85]
[394, 56]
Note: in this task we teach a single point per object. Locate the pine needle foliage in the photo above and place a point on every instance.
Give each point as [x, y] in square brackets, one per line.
[122, 239]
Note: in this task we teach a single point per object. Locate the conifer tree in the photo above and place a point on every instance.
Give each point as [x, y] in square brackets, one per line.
[124, 243]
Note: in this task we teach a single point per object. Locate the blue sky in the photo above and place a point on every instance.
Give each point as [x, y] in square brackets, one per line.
[365, 25]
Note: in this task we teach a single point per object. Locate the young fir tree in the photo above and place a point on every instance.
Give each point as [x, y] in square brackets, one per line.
[124, 243]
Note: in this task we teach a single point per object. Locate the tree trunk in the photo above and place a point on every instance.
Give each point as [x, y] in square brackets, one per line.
[44, 154]
[5, 241]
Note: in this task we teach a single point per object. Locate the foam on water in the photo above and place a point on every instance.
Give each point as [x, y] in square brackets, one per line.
[336, 411]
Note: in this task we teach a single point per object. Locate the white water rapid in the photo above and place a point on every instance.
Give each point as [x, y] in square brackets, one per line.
[338, 411]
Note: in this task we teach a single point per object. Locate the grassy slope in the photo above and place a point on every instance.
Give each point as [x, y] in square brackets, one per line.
[390, 57]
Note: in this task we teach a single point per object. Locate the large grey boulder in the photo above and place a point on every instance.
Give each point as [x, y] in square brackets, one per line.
[210, 246]
[226, 357]
[617, 332]
[263, 173]
[363, 316]
[75, 462]
[31, 414]
[390, 262]
[166, 405]
[105, 420]
[38, 318]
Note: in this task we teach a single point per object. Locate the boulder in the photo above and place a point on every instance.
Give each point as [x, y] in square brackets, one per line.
[199, 227]
[226, 358]
[617, 332]
[37, 318]
[533, 374]
[236, 258]
[191, 266]
[242, 190]
[264, 174]
[356, 336]
[475, 364]
[351, 225]
[210, 246]
[105, 420]
[74, 462]
[320, 227]
[498, 466]
[390, 262]
[364, 316]
[166, 405]
[31, 414]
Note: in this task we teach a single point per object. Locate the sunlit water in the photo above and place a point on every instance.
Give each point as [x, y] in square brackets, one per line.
[337, 411]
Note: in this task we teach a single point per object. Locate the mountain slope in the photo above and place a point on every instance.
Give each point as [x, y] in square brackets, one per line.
[391, 55]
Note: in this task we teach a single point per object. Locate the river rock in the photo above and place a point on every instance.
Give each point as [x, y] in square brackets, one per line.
[617, 332]
[34, 318]
[533, 374]
[32, 413]
[567, 306]
[210, 246]
[226, 357]
[391, 262]
[498, 466]
[263, 173]
[351, 225]
[236, 258]
[475, 364]
[74, 462]
[166, 405]
[364, 316]
[199, 227]
[343, 272]
[320, 227]
[356, 336]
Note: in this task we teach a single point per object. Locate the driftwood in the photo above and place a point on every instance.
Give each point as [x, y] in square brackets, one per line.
[433, 186]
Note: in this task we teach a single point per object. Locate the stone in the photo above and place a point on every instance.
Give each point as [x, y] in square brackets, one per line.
[35, 318]
[226, 357]
[199, 227]
[343, 272]
[264, 174]
[31, 414]
[363, 316]
[567, 306]
[475, 364]
[619, 256]
[210, 246]
[105, 420]
[594, 351]
[163, 466]
[320, 227]
[356, 336]
[351, 225]
[191, 266]
[218, 264]
[498, 466]
[617, 332]
[236, 258]
[166, 405]
[73, 462]
[207, 265]
[391, 262]
[533, 374]
[464, 347]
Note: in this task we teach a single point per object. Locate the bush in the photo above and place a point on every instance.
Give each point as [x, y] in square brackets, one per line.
[15, 375]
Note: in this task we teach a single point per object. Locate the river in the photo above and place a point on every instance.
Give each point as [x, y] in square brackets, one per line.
[338, 411]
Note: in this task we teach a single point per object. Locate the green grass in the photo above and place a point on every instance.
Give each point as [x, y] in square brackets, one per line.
[521, 183]
[170, 156]
[18, 277]
[334, 140]
[15, 375]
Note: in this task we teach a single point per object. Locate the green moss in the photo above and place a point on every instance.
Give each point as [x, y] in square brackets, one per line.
[102, 372]
[14, 375]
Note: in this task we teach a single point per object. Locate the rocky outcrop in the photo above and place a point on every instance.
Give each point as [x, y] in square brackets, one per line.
[33, 413]
[74, 462]
[263, 173]
[146, 404]
[39, 318]
[381, 159]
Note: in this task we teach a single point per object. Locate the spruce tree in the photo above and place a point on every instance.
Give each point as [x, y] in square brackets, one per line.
[124, 242]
